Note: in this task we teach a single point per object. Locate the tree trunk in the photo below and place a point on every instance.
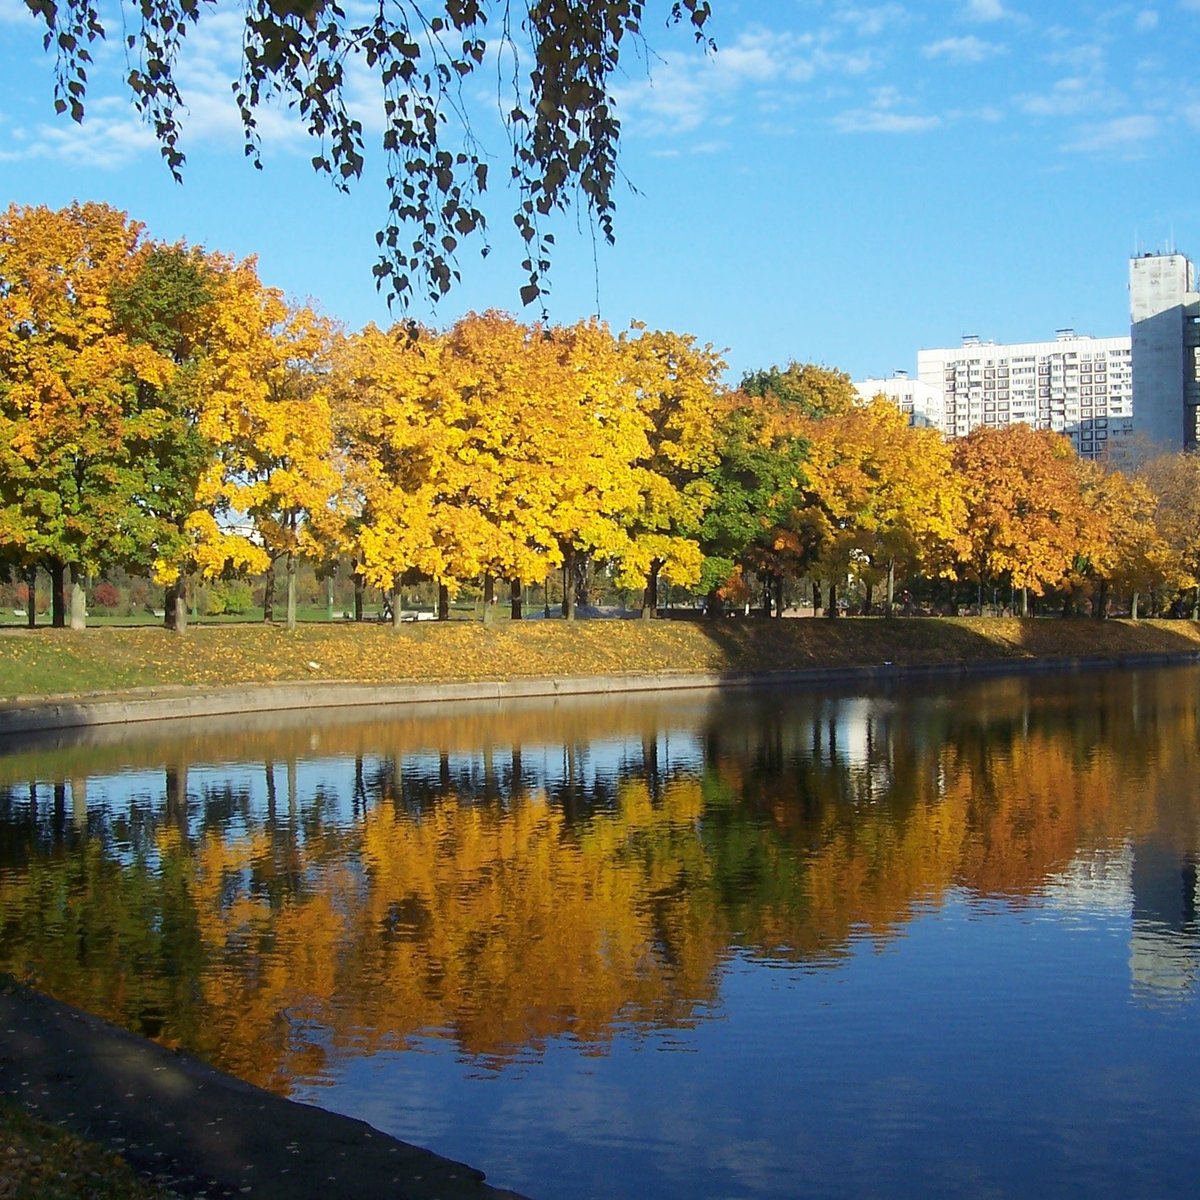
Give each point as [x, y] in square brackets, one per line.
[175, 605]
[329, 596]
[31, 602]
[1100, 603]
[269, 594]
[580, 582]
[58, 599]
[516, 594]
[889, 603]
[78, 600]
[778, 595]
[650, 594]
[1024, 602]
[291, 589]
[443, 613]
[816, 586]
[832, 610]
[397, 602]
[1133, 607]
[169, 605]
[568, 573]
[1196, 604]
[868, 598]
[489, 598]
[360, 587]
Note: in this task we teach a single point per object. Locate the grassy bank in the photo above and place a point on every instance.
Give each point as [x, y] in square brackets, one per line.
[40, 1161]
[57, 662]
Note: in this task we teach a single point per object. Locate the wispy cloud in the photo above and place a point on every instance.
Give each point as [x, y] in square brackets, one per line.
[1123, 137]
[104, 141]
[872, 20]
[884, 114]
[1146, 20]
[13, 12]
[985, 10]
[962, 49]
[690, 92]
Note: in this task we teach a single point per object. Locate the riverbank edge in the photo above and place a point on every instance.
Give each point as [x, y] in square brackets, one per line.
[196, 1131]
[44, 713]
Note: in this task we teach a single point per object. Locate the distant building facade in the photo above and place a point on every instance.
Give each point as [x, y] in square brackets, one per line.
[1076, 385]
[921, 401]
[1164, 315]
[1116, 398]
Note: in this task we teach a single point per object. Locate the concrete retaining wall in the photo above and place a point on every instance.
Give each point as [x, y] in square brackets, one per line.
[64, 712]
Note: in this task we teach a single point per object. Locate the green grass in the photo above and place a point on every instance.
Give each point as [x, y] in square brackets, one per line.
[59, 662]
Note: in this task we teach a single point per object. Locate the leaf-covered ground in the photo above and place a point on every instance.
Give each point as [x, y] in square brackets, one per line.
[39, 1161]
[45, 662]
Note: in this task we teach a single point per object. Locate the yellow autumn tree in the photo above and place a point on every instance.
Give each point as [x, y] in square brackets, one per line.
[888, 491]
[82, 397]
[388, 388]
[677, 382]
[590, 457]
[1174, 480]
[1120, 542]
[279, 470]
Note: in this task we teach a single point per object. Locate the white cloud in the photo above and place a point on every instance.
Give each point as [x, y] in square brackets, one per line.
[962, 49]
[1126, 137]
[985, 10]
[1146, 21]
[883, 115]
[104, 142]
[13, 12]
[1067, 98]
[872, 20]
[689, 92]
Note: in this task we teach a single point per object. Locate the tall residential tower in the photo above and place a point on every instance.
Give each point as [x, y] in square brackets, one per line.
[1164, 316]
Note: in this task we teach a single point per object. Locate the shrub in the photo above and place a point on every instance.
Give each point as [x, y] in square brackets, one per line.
[230, 596]
[105, 595]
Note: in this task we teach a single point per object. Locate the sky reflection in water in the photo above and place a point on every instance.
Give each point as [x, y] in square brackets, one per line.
[919, 942]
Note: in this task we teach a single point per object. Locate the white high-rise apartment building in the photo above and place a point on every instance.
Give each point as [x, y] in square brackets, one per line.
[1118, 398]
[921, 401]
[1075, 385]
[1164, 315]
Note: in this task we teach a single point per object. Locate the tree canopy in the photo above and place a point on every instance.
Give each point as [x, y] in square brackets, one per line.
[554, 60]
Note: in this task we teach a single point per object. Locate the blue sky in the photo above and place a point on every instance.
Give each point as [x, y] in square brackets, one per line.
[841, 182]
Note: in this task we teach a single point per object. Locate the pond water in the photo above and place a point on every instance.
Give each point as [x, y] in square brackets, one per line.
[933, 940]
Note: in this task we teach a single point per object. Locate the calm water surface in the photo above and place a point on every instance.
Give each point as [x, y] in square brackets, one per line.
[933, 941]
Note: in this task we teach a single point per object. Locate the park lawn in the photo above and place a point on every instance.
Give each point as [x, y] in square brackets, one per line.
[44, 662]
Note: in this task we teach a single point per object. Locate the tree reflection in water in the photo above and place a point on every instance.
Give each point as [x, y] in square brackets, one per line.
[277, 895]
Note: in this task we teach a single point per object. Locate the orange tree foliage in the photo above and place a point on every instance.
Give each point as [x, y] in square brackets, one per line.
[1026, 519]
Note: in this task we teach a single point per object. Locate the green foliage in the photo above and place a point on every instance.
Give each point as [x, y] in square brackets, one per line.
[810, 390]
[233, 596]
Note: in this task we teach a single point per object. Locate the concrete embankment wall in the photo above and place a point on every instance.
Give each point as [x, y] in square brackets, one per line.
[35, 714]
